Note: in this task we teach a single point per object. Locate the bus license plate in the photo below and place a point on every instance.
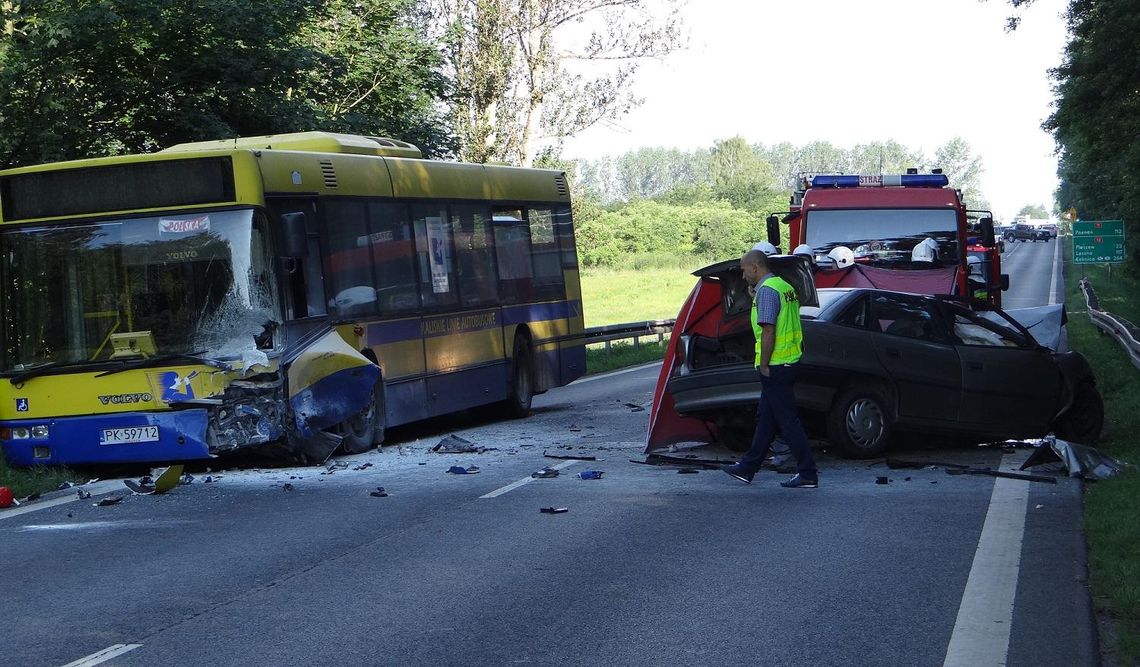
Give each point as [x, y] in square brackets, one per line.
[130, 434]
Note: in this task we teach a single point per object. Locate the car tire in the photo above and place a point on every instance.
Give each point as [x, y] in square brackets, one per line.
[1083, 421]
[518, 402]
[359, 432]
[859, 422]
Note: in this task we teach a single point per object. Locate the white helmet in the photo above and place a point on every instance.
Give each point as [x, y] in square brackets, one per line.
[974, 264]
[922, 252]
[843, 256]
[765, 247]
[804, 249]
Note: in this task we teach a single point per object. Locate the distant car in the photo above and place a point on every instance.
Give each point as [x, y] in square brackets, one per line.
[1051, 230]
[1025, 232]
[875, 362]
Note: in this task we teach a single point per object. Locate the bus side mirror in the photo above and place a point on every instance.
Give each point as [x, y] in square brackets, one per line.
[1004, 282]
[773, 230]
[987, 228]
[294, 237]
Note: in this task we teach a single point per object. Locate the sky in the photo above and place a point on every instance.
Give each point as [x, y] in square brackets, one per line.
[919, 72]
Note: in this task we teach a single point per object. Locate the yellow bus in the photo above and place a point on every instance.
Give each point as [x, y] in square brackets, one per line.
[299, 292]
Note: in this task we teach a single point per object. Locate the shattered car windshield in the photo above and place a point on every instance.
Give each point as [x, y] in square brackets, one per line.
[200, 281]
[886, 236]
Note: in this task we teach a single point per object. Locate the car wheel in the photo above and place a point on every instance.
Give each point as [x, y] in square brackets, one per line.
[859, 422]
[1083, 421]
[359, 431]
[518, 403]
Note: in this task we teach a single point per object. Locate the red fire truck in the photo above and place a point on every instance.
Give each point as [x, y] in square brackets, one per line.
[908, 232]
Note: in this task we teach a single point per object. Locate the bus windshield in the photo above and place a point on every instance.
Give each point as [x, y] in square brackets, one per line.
[200, 282]
[885, 236]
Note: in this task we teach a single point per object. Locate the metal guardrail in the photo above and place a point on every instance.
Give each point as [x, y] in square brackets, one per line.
[1119, 328]
[635, 330]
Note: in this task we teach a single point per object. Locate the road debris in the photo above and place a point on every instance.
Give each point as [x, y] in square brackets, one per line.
[546, 473]
[591, 474]
[554, 510]
[363, 466]
[453, 444]
[186, 479]
[1001, 473]
[113, 500]
[1078, 460]
[378, 493]
[287, 487]
[569, 457]
[687, 471]
[83, 495]
[689, 461]
[32, 497]
[64, 485]
[882, 480]
[6, 498]
[167, 479]
[460, 470]
[634, 407]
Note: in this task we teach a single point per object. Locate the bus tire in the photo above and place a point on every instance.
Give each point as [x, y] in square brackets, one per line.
[518, 402]
[359, 432]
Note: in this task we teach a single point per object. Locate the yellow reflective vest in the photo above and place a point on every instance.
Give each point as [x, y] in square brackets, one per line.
[789, 332]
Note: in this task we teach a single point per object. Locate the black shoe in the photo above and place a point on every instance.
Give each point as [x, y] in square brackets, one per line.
[800, 482]
[734, 470]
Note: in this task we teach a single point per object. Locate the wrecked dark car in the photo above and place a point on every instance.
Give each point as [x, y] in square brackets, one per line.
[876, 363]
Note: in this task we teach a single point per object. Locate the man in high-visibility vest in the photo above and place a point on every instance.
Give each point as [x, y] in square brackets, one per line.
[779, 347]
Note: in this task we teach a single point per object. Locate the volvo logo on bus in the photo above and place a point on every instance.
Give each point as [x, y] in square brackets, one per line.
[120, 399]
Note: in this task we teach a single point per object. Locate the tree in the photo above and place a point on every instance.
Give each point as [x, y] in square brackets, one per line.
[1097, 114]
[964, 171]
[97, 77]
[377, 76]
[1035, 211]
[520, 76]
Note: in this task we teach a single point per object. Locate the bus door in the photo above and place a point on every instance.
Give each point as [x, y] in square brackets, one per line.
[371, 269]
[462, 325]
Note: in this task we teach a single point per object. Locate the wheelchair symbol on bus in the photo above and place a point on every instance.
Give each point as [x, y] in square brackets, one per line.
[21, 405]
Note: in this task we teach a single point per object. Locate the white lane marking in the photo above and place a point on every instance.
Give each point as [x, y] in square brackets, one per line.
[1056, 272]
[981, 632]
[98, 489]
[103, 656]
[525, 480]
[603, 376]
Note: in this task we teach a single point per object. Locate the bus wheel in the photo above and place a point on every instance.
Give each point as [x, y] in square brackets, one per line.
[359, 431]
[517, 404]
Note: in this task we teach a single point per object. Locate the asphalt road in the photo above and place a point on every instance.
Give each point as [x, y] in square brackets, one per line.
[647, 566]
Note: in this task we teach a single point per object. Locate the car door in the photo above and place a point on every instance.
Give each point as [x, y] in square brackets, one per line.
[913, 347]
[1010, 384]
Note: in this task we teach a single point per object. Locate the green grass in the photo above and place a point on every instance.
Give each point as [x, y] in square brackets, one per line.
[1112, 507]
[622, 354]
[616, 297]
[26, 481]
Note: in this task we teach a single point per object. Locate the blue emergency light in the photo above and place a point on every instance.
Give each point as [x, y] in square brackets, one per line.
[904, 180]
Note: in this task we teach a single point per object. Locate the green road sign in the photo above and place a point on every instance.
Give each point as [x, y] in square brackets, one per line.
[1098, 241]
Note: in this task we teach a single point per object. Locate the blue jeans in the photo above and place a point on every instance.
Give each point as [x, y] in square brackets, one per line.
[777, 410]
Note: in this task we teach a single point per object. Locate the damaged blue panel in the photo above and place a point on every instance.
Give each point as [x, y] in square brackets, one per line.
[127, 437]
[333, 399]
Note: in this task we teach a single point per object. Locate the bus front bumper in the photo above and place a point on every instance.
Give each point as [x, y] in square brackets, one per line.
[129, 437]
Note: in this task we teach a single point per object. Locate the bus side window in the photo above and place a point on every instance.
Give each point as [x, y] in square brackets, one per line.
[436, 259]
[393, 255]
[349, 263]
[564, 230]
[475, 254]
[512, 248]
[548, 282]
